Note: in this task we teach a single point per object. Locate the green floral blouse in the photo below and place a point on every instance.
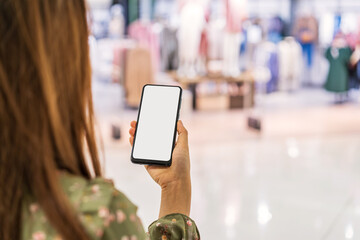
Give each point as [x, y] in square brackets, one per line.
[106, 214]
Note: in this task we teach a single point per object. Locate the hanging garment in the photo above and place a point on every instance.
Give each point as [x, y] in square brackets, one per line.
[326, 29]
[243, 43]
[138, 72]
[143, 32]
[306, 29]
[265, 57]
[337, 23]
[352, 40]
[215, 32]
[119, 59]
[152, 9]
[253, 36]
[231, 48]
[273, 65]
[319, 71]
[125, 7]
[203, 53]
[349, 23]
[306, 32]
[308, 52]
[353, 78]
[204, 44]
[192, 20]
[276, 30]
[169, 49]
[276, 24]
[133, 6]
[117, 23]
[236, 11]
[290, 64]
[338, 76]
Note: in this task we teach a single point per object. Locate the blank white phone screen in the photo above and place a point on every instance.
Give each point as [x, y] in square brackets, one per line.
[156, 124]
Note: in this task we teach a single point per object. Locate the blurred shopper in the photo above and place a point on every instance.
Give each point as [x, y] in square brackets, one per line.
[50, 187]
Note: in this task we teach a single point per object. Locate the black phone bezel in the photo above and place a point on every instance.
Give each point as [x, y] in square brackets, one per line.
[152, 161]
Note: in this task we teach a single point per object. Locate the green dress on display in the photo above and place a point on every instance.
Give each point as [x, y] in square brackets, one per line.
[106, 214]
[338, 76]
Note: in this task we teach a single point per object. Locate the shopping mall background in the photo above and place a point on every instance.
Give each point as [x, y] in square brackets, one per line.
[295, 178]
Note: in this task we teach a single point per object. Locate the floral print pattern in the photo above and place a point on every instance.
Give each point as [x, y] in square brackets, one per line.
[106, 213]
[39, 236]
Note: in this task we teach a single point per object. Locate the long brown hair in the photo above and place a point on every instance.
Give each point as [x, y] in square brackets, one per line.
[46, 112]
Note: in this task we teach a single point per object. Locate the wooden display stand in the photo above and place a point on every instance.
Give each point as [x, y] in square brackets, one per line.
[245, 79]
[138, 72]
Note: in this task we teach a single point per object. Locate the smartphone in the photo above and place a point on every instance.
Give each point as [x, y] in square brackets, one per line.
[155, 133]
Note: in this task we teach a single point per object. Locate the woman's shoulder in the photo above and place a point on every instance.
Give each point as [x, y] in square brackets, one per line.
[94, 196]
[88, 194]
[94, 200]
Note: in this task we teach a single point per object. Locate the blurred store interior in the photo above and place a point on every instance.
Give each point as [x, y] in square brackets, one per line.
[271, 101]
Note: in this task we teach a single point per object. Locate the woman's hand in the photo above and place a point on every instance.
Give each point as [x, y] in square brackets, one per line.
[175, 180]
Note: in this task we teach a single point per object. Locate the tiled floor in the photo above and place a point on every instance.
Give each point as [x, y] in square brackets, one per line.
[298, 179]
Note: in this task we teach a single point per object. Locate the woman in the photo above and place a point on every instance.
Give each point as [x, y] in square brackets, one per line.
[50, 187]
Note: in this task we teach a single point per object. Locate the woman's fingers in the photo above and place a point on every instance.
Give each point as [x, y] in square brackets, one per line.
[132, 131]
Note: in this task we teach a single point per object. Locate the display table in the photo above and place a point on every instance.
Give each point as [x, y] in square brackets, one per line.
[244, 79]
